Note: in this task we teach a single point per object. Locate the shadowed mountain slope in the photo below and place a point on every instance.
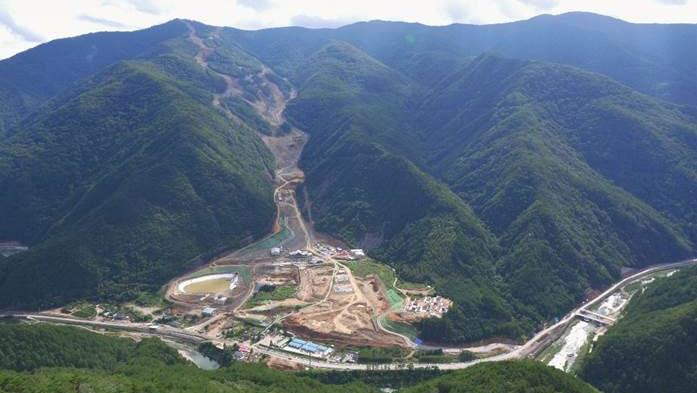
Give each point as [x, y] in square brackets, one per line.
[512, 185]
[123, 180]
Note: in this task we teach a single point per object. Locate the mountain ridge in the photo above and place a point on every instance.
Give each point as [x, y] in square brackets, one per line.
[508, 183]
[130, 178]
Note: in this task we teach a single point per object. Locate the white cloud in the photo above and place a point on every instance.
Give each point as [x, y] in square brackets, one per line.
[102, 21]
[458, 11]
[23, 33]
[259, 5]
[541, 4]
[317, 21]
[23, 23]
[147, 6]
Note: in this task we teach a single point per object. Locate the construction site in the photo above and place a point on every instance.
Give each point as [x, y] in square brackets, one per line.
[346, 311]
[289, 281]
[306, 294]
[296, 295]
[292, 282]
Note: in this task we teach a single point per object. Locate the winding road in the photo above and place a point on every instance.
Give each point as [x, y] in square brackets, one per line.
[538, 342]
[532, 346]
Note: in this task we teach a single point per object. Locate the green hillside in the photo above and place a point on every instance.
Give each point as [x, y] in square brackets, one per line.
[651, 349]
[120, 183]
[508, 377]
[513, 186]
[27, 348]
[365, 189]
[505, 377]
[27, 80]
[516, 148]
[656, 59]
[626, 137]
[41, 358]
[392, 166]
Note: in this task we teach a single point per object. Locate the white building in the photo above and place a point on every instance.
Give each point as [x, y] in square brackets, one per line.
[275, 251]
[208, 312]
[358, 253]
[300, 254]
[341, 277]
[343, 289]
[315, 260]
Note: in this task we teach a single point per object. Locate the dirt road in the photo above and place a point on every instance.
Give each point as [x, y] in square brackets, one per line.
[287, 149]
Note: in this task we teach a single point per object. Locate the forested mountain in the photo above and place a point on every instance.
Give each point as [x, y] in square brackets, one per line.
[510, 377]
[651, 349]
[365, 188]
[458, 154]
[539, 151]
[122, 179]
[504, 377]
[60, 359]
[27, 348]
[656, 59]
[554, 162]
[27, 80]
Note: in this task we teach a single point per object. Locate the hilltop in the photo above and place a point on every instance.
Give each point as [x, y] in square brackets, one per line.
[514, 167]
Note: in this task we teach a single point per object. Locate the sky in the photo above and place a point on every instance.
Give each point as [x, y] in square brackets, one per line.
[27, 23]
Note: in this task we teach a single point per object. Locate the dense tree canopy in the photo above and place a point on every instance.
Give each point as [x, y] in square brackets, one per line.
[651, 349]
[510, 184]
[62, 359]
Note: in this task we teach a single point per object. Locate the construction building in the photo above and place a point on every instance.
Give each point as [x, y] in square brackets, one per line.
[433, 306]
[358, 253]
[341, 277]
[220, 299]
[309, 347]
[343, 289]
[300, 254]
[316, 260]
[208, 312]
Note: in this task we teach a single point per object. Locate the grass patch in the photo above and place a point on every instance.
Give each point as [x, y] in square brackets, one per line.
[272, 240]
[150, 299]
[412, 286]
[367, 267]
[435, 356]
[404, 329]
[380, 355]
[86, 311]
[385, 273]
[272, 293]
[395, 299]
[136, 315]
[466, 356]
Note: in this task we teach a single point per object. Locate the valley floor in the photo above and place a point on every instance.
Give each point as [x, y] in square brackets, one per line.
[302, 299]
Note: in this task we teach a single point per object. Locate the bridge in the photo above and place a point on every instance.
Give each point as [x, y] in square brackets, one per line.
[594, 317]
[534, 345]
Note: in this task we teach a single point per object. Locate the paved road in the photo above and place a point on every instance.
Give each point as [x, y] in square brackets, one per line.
[540, 340]
[162, 331]
[535, 344]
